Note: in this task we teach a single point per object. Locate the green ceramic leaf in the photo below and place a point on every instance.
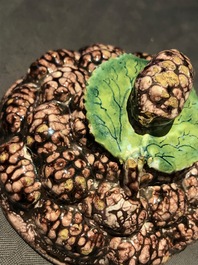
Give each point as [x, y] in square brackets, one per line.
[178, 149]
[106, 98]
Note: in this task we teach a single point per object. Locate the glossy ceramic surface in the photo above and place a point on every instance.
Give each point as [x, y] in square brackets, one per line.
[88, 181]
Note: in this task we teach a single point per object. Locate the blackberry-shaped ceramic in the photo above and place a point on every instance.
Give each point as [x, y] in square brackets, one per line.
[99, 156]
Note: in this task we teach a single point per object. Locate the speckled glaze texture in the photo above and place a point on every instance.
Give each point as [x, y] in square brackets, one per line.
[65, 194]
[163, 87]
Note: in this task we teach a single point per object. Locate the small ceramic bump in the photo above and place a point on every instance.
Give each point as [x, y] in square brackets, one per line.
[94, 55]
[49, 63]
[190, 184]
[65, 85]
[69, 230]
[67, 175]
[143, 55]
[184, 232]
[18, 174]
[141, 248]
[49, 123]
[16, 107]
[112, 209]
[167, 203]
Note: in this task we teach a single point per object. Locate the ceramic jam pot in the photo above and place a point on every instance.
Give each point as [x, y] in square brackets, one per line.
[99, 156]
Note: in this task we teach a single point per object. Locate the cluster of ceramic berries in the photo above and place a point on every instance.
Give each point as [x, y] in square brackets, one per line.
[70, 189]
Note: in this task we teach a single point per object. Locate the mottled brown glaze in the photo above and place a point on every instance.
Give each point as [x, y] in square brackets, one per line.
[68, 197]
[162, 88]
